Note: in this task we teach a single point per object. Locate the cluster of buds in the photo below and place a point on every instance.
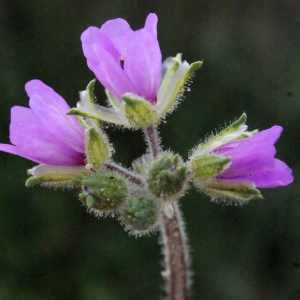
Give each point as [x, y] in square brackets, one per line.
[73, 150]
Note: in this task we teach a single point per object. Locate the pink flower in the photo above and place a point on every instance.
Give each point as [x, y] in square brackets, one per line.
[44, 133]
[253, 159]
[123, 60]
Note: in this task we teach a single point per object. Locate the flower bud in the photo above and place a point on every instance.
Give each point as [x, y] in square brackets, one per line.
[102, 193]
[139, 112]
[139, 214]
[168, 176]
[208, 166]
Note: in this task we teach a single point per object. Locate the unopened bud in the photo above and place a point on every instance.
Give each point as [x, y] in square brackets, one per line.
[101, 192]
[139, 214]
[168, 176]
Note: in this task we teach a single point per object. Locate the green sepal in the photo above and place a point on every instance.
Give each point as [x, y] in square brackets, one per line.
[236, 129]
[101, 192]
[208, 166]
[139, 213]
[246, 134]
[231, 192]
[113, 101]
[90, 90]
[96, 150]
[47, 178]
[139, 112]
[101, 114]
[173, 82]
[53, 175]
[140, 164]
[167, 176]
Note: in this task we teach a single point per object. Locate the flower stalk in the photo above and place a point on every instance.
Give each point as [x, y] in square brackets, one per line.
[176, 256]
[132, 177]
[153, 141]
[173, 238]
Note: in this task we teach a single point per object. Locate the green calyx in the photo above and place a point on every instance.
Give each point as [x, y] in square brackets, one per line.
[175, 77]
[231, 192]
[208, 166]
[101, 192]
[59, 176]
[235, 131]
[167, 176]
[139, 213]
[96, 148]
[139, 112]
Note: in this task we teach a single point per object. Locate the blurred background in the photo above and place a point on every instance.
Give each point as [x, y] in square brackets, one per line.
[51, 248]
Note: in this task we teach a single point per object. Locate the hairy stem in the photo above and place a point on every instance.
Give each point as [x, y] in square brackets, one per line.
[153, 141]
[176, 256]
[173, 239]
[132, 177]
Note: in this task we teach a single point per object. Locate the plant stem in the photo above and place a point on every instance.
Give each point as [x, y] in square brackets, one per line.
[134, 178]
[153, 141]
[176, 256]
[173, 239]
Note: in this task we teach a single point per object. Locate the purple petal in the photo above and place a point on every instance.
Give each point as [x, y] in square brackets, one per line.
[115, 30]
[252, 154]
[253, 160]
[151, 24]
[35, 142]
[104, 60]
[249, 158]
[268, 136]
[17, 151]
[279, 175]
[37, 87]
[141, 72]
[59, 124]
[143, 63]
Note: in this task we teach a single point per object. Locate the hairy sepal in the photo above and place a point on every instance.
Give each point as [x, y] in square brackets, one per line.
[231, 191]
[60, 176]
[176, 76]
[139, 112]
[232, 132]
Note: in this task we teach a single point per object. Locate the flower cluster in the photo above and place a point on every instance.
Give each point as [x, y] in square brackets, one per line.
[71, 148]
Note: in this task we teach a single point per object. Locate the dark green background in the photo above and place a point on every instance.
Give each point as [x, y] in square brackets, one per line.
[50, 248]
